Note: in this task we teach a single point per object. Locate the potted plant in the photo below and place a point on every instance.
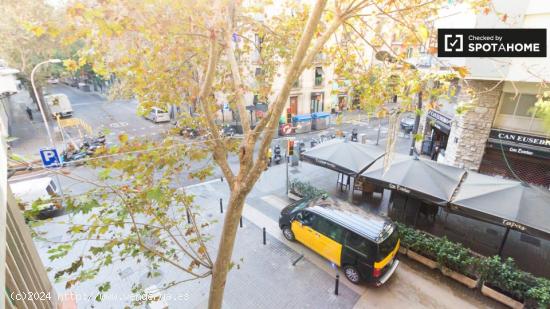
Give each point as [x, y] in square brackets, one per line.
[538, 296]
[457, 262]
[299, 190]
[503, 282]
[421, 246]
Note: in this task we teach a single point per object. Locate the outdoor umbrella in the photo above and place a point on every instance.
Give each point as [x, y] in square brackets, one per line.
[345, 157]
[425, 179]
[510, 203]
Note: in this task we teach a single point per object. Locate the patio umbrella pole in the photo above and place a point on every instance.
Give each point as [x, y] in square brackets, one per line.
[503, 241]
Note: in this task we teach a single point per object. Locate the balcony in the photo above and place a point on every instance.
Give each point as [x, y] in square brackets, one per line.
[319, 81]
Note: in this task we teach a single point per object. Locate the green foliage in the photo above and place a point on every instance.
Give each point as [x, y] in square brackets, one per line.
[505, 276]
[540, 293]
[305, 189]
[454, 256]
[497, 273]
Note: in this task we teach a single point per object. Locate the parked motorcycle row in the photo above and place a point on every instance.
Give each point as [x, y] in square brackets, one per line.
[87, 148]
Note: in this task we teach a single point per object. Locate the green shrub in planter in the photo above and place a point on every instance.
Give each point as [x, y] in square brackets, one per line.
[457, 258]
[504, 276]
[418, 241]
[540, 293]
[305, 189]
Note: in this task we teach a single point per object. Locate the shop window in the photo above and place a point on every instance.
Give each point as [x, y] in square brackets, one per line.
[526, 103]
[517, 105]
[318, 76]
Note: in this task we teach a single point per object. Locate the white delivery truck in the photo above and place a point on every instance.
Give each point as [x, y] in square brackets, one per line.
[59, 105]
[39, 196]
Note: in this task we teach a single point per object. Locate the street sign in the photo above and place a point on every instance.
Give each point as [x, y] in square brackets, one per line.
[50, 158]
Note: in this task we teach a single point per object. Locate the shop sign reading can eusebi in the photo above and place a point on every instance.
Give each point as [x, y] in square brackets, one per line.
[491, 42]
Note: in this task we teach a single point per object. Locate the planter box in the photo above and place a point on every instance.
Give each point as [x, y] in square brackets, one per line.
[293, 196]
[502, 298]
[422, 259]
[467, 281]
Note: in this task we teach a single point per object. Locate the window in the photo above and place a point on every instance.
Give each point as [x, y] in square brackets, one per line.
[306, 217]
[358, 243]
[259, 72]
[388, 244]
[318, 76]
[328, 228]
[517, 105]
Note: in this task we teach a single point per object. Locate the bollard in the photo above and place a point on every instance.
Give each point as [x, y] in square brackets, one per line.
[297, 260]
[221, 206]
[241, 222]
[264, 234]
[336, 284]
[188, 216]
[221, 178]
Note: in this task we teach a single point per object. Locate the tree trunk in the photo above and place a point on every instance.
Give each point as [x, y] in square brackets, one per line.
[225, 248]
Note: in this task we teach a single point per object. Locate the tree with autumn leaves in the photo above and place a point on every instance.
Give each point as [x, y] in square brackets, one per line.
[188, 53]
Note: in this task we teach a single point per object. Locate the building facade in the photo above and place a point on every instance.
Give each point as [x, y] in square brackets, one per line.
[490, 124]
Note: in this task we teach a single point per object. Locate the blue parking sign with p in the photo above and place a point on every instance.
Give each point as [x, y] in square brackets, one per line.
[50, 158]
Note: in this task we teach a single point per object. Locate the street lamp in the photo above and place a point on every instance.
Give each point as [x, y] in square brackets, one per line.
[52, 144]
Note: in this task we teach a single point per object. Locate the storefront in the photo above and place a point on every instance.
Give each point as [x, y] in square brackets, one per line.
[517, 155]
[436, 134]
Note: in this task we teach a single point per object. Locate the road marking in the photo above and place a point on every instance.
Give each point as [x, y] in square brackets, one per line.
[118, 124]
[203, 183]
[275, 201]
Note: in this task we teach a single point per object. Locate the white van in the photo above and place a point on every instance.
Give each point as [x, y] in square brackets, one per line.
[157, 115]
[29, 191]
[59, 105]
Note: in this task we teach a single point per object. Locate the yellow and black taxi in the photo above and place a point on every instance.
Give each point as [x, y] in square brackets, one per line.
[363, 244]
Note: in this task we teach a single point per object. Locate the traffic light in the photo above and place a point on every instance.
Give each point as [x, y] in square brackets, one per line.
[288, 116]
[290, 148]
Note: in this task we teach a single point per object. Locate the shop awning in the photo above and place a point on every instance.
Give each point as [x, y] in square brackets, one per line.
[343, 156]
[425, 179]
[504, 202]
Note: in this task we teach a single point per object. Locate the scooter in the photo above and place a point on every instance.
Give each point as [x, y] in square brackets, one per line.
[277, 158]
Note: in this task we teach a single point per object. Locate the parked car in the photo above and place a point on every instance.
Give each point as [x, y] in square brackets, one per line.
[407, 123]
[364, 244]
[37, 197]
[59, 105]
[157, 115]
[53, 80]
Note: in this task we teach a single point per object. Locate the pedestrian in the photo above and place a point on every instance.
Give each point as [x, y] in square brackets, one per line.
[29, 112]
[269, 155]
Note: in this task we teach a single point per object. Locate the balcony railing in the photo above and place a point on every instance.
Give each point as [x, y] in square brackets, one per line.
[319, 81]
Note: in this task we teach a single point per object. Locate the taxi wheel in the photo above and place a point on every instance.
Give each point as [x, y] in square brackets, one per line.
[288, 234]
[352, 274]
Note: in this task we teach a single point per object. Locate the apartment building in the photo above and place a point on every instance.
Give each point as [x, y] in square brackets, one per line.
[499, 133]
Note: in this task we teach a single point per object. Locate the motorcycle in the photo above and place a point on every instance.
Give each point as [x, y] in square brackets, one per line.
[277, 158]
[227, 131]
[354, 135]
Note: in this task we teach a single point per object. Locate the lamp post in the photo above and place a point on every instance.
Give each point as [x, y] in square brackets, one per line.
[52, 144]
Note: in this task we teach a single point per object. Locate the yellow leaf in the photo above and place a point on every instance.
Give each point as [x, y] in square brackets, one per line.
[423, 32]
[123, 138]
[81, 62]
[462, 71]
[70, 65]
